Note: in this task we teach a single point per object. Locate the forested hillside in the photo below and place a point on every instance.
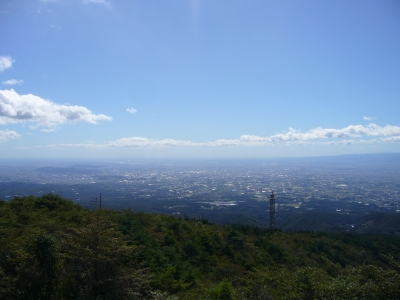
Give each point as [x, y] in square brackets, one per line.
[51, 248]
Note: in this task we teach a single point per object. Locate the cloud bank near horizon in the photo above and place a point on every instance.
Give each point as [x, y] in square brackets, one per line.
[15, 108]
[350, 135]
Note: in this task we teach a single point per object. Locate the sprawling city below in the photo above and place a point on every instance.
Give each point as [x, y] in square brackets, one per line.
[223, 191]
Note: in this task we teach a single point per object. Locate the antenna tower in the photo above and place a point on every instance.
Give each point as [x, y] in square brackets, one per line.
[94, 201]
[272, 210]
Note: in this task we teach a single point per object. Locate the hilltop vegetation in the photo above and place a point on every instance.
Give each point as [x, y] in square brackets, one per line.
[51, 248]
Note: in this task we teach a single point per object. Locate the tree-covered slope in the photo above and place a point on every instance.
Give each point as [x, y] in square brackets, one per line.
[380, 223]
[51, 248]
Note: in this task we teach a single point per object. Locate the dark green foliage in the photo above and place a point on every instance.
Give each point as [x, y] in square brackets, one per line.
[51, 248]
[47, 265]
[98, 258]
[380, 223]
[224, 291]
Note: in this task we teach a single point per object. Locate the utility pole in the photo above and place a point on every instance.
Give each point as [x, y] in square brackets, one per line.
[272, 210]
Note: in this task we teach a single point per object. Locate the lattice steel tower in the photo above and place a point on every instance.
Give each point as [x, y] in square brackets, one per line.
[94, 201]
[272, 210]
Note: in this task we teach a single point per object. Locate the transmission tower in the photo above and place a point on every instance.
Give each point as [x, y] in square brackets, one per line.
[94, 201]
[272, 210]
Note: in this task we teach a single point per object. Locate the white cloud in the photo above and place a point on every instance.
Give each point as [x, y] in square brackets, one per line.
[336, 142]
[101, 2]
[392, 139]
[314, 136]
[131, 110]
[13, 82]
[369, 118]
[49, 130]
[84, 145]
[145, 142]
[51, 146]
[5, 63]
[322, 133]
[6, 135]
[15, 108]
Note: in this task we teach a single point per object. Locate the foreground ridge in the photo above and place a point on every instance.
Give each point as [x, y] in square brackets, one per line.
[52, 248]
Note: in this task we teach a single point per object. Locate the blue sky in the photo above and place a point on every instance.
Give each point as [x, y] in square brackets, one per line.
[108, 78]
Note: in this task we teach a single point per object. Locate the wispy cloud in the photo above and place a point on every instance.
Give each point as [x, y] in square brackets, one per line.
[392, 139]
[49, 130]
[55, 27]
[51, 146]
[316, 136]
[6, 135]
[131, 110]
[145, 142]
[15, 108]
[369, 118]
[323, 133]
[5, 63]
[335, 142]
[101, 2]
[13, 82]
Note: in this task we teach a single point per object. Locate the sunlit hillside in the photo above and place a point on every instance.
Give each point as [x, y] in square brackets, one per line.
[51, 248]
